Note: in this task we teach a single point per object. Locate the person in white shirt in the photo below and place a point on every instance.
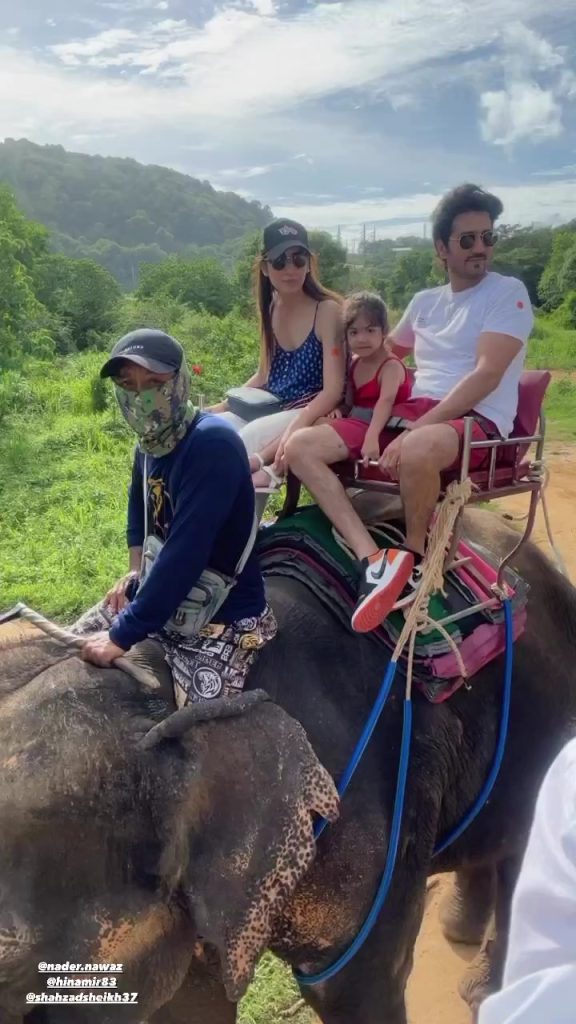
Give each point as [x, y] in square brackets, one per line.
[468, 338]
[539, 985]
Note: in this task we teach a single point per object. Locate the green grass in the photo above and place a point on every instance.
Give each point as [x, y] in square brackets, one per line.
[551, 347]
[272, 993]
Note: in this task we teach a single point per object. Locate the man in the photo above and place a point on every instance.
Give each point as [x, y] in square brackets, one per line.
[200, 514]
[540, 974]
[468, 339]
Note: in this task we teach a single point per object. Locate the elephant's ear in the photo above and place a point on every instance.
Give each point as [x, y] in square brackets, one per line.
[248, 816]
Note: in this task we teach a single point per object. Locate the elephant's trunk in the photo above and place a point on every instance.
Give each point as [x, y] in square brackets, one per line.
[204, 711]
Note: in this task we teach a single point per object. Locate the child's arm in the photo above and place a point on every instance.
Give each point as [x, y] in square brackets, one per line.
[391, 377]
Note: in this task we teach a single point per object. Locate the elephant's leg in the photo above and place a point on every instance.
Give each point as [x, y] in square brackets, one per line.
[466, 909]
[201, 999]
[484, 975]
[371, 988]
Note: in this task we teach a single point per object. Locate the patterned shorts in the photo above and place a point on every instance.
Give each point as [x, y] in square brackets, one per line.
[213, 664]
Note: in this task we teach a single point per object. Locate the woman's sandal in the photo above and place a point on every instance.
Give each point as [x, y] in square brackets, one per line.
[276, 481]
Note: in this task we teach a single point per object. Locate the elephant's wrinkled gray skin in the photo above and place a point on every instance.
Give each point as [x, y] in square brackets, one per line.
[185, 860]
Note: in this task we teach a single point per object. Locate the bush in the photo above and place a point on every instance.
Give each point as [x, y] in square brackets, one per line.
[565, 315]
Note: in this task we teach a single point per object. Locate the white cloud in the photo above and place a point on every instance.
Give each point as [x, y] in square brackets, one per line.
[265, 8]
[522, 111]
[546, 203]
[527, 109]
[567, 171]
[231, 63]
[245, 172]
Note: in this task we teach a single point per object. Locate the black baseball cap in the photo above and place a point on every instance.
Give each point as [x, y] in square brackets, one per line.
[284, 234]
[155, 350]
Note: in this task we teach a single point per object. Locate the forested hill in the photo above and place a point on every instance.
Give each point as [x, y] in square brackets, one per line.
[119, 212]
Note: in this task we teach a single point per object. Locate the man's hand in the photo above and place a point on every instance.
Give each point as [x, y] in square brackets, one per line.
[370, 450]
[116, 599]
[100, 650]
[389, 461]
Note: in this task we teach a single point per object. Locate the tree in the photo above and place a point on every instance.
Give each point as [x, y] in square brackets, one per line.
[198, 283]
[22, 317]
[244, 274]
[29, 239]
[410, 274]
[332, 261]
[558, 272]
[524, 253]
[81, 294]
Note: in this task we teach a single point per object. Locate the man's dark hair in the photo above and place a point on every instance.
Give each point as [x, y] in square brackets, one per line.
[462, 199]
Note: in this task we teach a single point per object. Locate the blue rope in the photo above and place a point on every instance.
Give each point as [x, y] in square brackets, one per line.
[502, 737]
[386, 880]
[364, 740]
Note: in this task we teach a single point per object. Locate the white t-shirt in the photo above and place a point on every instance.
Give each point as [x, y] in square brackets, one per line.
[540, 975]
[443, 327]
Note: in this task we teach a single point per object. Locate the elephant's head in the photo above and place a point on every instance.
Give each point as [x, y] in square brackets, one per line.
[139, 851]
[238, 836]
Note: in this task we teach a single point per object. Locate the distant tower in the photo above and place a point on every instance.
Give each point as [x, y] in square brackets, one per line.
[339, 234]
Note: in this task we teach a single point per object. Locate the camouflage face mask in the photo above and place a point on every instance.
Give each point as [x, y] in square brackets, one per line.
[160, 415]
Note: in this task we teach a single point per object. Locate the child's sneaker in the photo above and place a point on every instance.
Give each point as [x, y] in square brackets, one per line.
[385, 575]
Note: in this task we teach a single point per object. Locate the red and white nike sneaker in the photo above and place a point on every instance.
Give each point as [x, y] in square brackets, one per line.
[385, 575]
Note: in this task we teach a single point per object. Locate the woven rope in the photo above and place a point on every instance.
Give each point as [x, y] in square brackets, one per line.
[417, 619]
[69, 639]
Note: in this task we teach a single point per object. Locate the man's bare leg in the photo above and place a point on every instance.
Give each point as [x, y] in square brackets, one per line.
[309, 453]
[424, 455]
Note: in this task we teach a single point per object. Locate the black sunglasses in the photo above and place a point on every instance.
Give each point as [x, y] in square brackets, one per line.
[298, 259]
[468, 238]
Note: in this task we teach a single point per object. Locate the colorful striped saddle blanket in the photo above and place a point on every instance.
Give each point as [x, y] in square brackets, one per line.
[304, 546]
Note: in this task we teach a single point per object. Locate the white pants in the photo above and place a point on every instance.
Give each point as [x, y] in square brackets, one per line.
[258, 433]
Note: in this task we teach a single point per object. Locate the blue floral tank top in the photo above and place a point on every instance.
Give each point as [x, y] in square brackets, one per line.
[296, 375]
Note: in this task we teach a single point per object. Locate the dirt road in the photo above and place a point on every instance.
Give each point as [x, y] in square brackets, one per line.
[432, 991]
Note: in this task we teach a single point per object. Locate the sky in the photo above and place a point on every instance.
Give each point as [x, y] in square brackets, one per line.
[338, 113]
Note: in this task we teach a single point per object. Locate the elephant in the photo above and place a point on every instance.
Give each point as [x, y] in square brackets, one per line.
[180, 844]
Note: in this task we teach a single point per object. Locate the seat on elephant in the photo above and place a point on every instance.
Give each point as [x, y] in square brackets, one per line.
[508, 468]
[304, 546]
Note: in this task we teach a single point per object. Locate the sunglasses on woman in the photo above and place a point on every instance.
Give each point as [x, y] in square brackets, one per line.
[468, 238]
[298, 259]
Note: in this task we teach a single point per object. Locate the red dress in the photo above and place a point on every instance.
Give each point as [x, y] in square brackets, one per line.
[352, 429]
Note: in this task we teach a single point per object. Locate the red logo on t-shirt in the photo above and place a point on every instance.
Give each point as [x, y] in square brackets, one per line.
[520, 304]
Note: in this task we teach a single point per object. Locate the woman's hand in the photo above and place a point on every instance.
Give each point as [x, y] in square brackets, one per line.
[100, 650]
[370, 450]
[116, 599]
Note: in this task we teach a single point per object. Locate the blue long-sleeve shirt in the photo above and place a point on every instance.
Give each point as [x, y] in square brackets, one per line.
[201, 505]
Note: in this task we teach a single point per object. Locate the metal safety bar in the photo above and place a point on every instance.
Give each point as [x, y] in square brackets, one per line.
[528, 484]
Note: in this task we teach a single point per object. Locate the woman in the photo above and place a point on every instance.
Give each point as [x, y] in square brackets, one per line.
[302, 359]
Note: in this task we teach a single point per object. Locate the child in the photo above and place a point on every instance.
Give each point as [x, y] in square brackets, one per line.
[377, 380]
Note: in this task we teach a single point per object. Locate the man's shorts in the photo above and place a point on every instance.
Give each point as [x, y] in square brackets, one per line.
[215, 663]
[353, 431]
